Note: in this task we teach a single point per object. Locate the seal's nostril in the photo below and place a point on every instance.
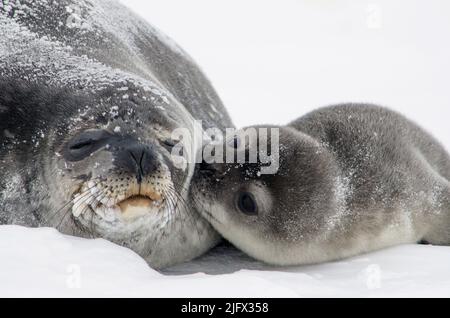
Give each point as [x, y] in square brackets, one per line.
[137, 159]
[138, 164]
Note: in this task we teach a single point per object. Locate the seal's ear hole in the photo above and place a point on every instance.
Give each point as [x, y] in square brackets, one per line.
[85, 143]
[246, 203]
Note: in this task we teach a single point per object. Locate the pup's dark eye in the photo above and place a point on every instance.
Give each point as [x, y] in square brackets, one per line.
[84, 144]
[246, 203]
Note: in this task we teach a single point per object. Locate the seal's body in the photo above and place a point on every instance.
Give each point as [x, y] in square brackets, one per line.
[351, 179]
[89, 96]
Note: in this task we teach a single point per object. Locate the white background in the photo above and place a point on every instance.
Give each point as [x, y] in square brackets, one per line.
[273, 61]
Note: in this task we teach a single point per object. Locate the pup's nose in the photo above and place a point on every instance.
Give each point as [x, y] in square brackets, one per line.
[137, 159]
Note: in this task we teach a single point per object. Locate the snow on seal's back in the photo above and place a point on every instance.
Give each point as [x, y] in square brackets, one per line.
[59, 51]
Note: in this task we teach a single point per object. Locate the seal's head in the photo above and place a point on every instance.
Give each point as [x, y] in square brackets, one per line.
[101, 165]
[269, 216]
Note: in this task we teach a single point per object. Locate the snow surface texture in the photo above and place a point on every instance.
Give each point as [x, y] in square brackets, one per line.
[44, 263]
[292, 58]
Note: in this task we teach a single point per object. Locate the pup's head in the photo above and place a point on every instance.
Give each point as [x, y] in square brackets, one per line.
[266, 215]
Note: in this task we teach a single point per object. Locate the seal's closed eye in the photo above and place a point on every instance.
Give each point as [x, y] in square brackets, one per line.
[81, 144]
[85, 143]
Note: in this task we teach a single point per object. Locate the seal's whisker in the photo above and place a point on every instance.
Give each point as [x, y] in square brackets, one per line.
[172, 207]
[205, 213]
[85, 198]
[91, 224]
[171, 211]
[85, 228]
[83, 195]
[185, 204]
[74, 200]
[67, 212]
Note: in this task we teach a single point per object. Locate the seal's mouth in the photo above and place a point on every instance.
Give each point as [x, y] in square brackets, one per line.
[137, 205]
[126, 206]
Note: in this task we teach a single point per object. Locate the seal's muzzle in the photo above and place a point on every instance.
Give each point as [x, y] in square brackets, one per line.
[131, 179]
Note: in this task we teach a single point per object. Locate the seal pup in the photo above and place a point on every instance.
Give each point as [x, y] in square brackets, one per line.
[89, 96]
[352, 179]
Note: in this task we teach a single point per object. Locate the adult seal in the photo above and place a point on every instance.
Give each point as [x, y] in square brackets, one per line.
[89, 96]
[351, 179]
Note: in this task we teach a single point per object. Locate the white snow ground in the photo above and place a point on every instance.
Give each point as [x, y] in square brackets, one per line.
[44, 263]
[291, 56]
